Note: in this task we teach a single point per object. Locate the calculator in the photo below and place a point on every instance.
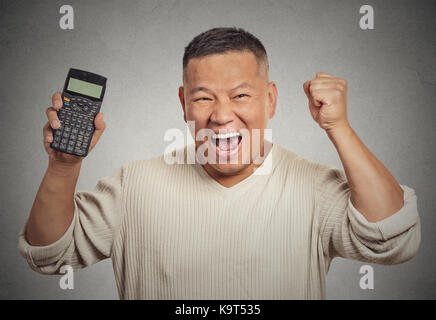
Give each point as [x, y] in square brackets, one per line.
[82, 98]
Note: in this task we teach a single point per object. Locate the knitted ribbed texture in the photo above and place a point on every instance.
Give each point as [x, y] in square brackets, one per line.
[173, 232]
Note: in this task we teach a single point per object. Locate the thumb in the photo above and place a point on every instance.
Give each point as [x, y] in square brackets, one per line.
[312, 105]
[306, 89]
[312, 101]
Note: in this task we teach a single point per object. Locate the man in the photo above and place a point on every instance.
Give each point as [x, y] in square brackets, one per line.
[216, 230]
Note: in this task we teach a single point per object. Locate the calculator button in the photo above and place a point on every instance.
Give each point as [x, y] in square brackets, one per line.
[58, 132]
[75, 130]
[57, 138]
[80, 137]
[64, 140]
[55, 144]
[70, 148]
[62, 146]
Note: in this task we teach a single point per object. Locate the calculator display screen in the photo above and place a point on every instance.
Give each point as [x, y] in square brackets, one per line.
[85, 88]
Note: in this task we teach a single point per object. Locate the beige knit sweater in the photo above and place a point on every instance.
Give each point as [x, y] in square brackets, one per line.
[173, 232]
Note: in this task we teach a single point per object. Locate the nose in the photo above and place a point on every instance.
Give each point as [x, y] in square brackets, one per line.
[222, 113]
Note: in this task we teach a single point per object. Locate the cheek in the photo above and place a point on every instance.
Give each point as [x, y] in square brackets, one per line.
[197, 113]
[254, 114]
[198, 116]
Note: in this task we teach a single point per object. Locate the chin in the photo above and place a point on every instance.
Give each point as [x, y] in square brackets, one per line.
[229, 169]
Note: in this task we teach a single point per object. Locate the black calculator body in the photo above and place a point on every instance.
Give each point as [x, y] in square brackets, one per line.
[82, 97]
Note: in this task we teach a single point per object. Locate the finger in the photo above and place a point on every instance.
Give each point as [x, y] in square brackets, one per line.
[306, 89]
[326, 83]
[329, 80]
[313, 99]
[324, 80]
[99, 122]
[100, 125]
[52, 117]
[312, 102]
[47, 135]
[323, 75]
[325, 96]
[56, 100]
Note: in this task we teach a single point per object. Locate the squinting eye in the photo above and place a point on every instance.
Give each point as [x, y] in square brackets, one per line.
[241, 95]
[202, 99]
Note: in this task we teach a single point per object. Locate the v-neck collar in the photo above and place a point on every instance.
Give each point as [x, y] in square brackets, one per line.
[247, 182]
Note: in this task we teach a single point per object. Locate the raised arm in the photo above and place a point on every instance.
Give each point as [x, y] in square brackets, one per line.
[364, 214]
[374, 191]
[52, 210]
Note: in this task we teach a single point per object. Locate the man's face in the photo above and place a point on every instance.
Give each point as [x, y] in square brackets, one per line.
[227, 93]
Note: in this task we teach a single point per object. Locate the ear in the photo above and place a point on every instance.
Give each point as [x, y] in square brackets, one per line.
[182, 101]
[272, 99]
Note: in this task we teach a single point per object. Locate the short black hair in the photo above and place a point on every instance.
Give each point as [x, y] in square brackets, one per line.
[224, 39]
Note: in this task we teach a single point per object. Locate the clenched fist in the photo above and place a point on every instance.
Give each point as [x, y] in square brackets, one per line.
[327, 97]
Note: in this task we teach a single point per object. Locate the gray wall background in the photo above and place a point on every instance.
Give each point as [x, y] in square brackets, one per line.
[139, 45]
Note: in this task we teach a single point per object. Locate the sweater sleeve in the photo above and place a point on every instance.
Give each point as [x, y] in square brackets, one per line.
[89, 238]
[346, 233]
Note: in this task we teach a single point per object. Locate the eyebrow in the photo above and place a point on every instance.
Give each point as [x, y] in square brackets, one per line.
[242, 85]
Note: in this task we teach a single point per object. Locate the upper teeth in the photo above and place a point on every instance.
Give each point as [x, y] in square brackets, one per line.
[225, 135]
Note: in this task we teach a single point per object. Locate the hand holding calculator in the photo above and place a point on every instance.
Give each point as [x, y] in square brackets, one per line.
[81, 102]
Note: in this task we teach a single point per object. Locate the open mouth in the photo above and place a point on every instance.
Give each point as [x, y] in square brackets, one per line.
[226, 144]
